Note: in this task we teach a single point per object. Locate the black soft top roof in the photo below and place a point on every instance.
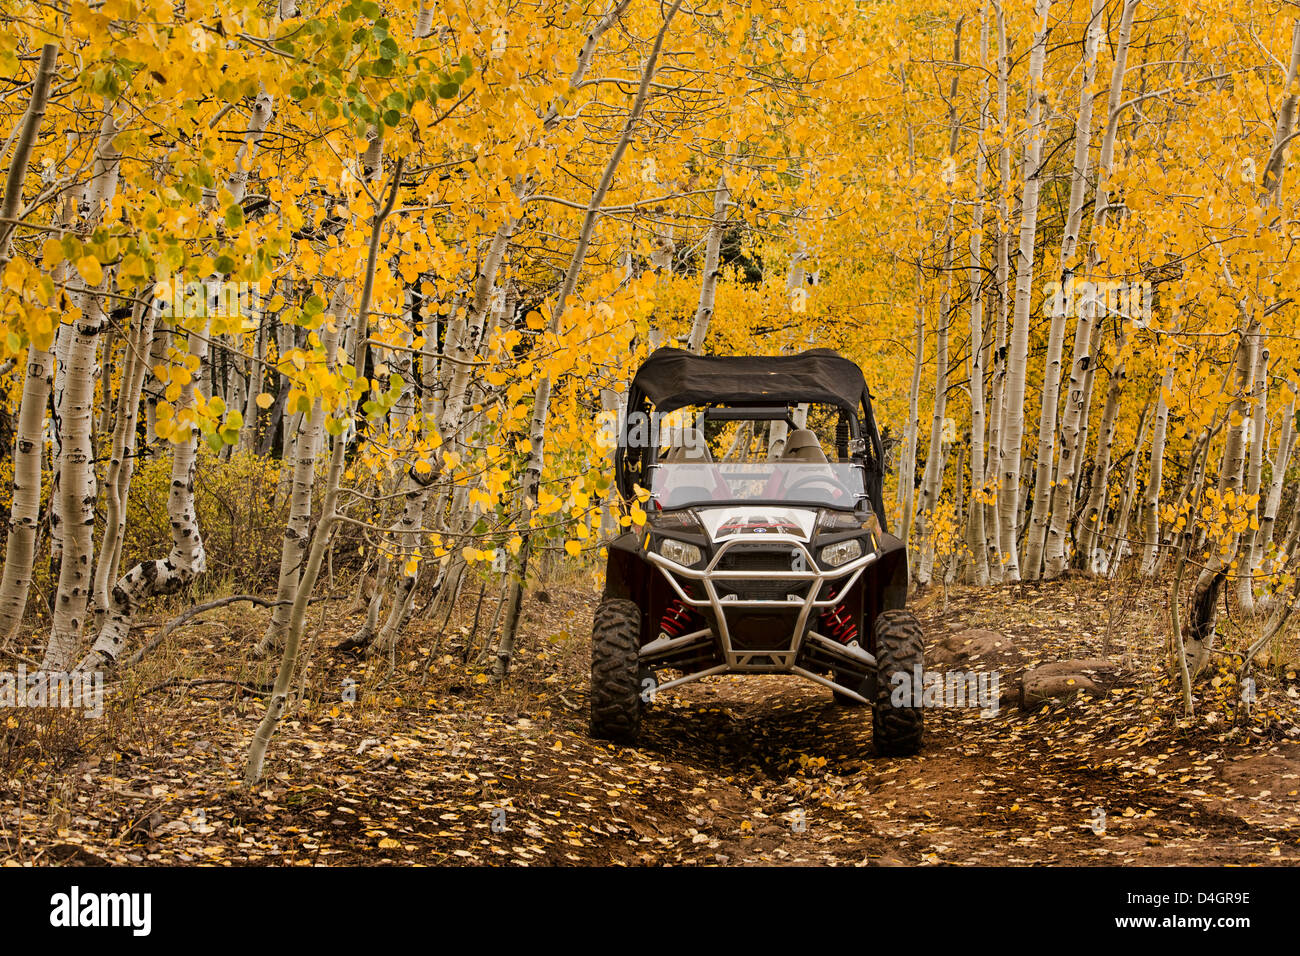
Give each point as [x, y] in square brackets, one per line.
[672, 378]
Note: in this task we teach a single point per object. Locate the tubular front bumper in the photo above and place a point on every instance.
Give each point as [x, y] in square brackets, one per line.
[804, 645]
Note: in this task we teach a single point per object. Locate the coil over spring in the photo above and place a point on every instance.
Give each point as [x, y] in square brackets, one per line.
[678, 617]
[839, 622]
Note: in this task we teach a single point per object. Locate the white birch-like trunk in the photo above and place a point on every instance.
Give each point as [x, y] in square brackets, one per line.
[1202, 638]
[976, 542]
[27, 130]
[279, 698]
[1013, 424]
[29, 440]
[997, 545]
[1091, 520]
[1155, 478]
[24, 513]
[936, 460]
[709, 280]
[1263, 538]
[1074, 425]
[186, 559]
[121, 449]
[77, 483]
[297, 528]
[1254, 465]
[907, 466]
[1044, 497]
[1120, 544]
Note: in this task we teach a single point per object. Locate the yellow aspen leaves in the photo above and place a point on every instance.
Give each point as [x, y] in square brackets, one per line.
[89, 268]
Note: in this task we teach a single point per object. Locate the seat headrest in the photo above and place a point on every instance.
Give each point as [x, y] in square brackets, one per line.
[802, 445]
[688, 445]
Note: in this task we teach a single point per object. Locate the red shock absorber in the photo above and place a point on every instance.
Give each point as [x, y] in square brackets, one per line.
[840, 623]
[676, 617]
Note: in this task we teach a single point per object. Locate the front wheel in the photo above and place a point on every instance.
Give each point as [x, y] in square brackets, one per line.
[615, 671]
[896, 729]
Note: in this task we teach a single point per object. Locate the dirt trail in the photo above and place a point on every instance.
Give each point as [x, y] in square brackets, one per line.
[729, 771]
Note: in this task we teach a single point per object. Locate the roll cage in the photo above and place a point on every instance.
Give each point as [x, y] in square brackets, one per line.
[755, 388]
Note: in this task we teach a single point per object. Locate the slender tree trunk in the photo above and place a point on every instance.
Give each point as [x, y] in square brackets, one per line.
[937, 458]
[1255, 461]
[1092, 547]
[122, 448]
[187, 558]
[28, 447]
[1202, 634]
[907, 467]
[1013, 424]
[709, 280]
[329, 510]
[976, 542]
[1126, 499]
[28, 128]
[297, 529]
[1263, 538]
[77, 484]
[1045, 498]
[1155, 476]
[993, 529]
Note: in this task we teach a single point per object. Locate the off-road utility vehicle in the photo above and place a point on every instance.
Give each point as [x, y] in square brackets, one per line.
[775, 562]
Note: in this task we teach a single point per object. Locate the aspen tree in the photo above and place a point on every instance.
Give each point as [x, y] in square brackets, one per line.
[77, 484]
[1018, 346]
[541, 398]
[20, 546]
[936, 458]
[329, 506]
[1155, 477]
[976, 543]
[1045, 498]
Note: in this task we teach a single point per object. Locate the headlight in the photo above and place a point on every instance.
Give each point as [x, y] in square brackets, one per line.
[841, 552]
[679, 551]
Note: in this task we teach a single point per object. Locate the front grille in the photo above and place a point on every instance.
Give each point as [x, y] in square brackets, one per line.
[760, 559]
[740, 589]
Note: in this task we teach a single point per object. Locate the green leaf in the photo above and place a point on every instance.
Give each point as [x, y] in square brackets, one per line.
[448, 91]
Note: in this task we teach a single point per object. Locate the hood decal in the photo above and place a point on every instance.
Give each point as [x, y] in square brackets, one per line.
[722, 523]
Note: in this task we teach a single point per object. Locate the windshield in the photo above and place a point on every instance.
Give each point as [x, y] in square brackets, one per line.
[834, 485]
